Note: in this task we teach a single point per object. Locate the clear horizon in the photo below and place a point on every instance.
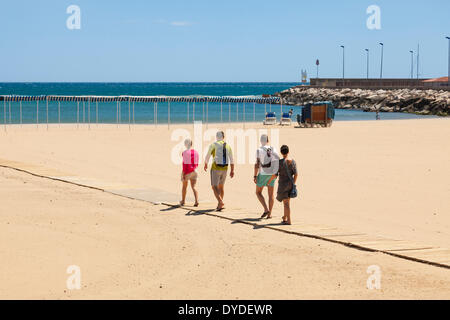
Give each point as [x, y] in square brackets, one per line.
[204, 41]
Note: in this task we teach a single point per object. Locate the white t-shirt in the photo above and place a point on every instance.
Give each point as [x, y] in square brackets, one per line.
[266, 154]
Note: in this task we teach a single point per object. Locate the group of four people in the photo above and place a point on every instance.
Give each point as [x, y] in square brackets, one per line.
[268, 167]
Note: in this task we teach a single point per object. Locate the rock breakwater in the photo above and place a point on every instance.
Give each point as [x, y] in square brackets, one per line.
[432, 102]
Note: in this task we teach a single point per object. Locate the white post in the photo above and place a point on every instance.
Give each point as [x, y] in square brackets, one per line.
[96, 112]
[168, 114]
[237, 112]
[47, 113]
[134, 122]
[78, 113]
[117, 113]
[243, 116]
[254, 106]
[229, 111]
[193, 112]
[207, 114]
[221, 107]
[9, 111]
[4, 112]
[84, 107]
[203, 112]
[20, 105]
[129, 114]
[59, 113]
[188, 112]
[156, 114]
[37, 113]
[89, 114]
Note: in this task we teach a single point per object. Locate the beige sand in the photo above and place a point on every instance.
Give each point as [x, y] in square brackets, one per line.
[386, 178]
[130, 249]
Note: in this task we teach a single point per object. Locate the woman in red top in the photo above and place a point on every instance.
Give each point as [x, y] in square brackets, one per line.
[190, 163]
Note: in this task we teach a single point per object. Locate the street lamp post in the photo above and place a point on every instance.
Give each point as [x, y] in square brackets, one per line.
[412, 64]
[343, 65]
[448, 75]
[417, 63]
[367, 50]
[382, 54]
[317, 68]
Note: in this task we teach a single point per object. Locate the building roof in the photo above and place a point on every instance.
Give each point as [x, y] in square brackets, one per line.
[441, 79]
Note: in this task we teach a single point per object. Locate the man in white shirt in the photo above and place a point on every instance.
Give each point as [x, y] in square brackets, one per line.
[267, 163]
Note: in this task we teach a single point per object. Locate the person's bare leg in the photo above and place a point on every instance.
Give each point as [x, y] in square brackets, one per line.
[218, 196]
[221, 191]
[183, 192]
[261, 199]
[271, 200]
[284, 210]
[287, 211]
[194, 190]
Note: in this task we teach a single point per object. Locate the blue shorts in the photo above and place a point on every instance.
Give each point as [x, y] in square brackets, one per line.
[262, 179]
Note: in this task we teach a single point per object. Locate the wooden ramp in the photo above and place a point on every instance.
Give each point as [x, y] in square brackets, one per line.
[410, 250]
[420, 252]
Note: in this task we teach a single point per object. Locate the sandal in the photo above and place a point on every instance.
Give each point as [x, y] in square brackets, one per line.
[265, 214]
[196, 204]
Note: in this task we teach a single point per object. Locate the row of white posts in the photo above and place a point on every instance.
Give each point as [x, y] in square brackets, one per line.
[131, 118]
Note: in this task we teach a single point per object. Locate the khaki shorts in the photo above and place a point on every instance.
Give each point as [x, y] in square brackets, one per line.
[218, 177]
[190, 176]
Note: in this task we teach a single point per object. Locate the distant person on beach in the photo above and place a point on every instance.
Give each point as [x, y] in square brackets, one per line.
[189, 173]
[287, 173]
[291, 112]
[222, 158]
[267, 161]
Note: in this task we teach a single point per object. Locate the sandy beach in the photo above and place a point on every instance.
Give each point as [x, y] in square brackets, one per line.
[382, 178]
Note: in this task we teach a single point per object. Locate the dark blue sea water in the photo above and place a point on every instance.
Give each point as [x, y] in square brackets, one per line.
[70, 112]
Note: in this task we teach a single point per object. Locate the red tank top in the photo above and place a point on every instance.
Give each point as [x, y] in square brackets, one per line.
[190, 161]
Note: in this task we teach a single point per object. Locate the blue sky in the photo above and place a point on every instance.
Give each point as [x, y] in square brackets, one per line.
[208, 40]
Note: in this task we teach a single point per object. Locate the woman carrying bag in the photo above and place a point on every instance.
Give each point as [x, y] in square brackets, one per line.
[287, 173]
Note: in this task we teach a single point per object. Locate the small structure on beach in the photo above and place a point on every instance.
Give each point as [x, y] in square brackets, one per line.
[316, 114]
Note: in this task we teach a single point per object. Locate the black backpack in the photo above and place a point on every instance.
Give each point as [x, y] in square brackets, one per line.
[269, 155]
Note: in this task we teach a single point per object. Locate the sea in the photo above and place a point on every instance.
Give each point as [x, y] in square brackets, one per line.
[148, 113]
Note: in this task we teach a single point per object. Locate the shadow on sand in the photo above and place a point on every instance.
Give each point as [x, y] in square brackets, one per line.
[199, 212]
[171, 208]
[260, 226]
[253, 221]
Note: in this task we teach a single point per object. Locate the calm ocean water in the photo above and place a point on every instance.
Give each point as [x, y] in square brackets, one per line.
[144, 112]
